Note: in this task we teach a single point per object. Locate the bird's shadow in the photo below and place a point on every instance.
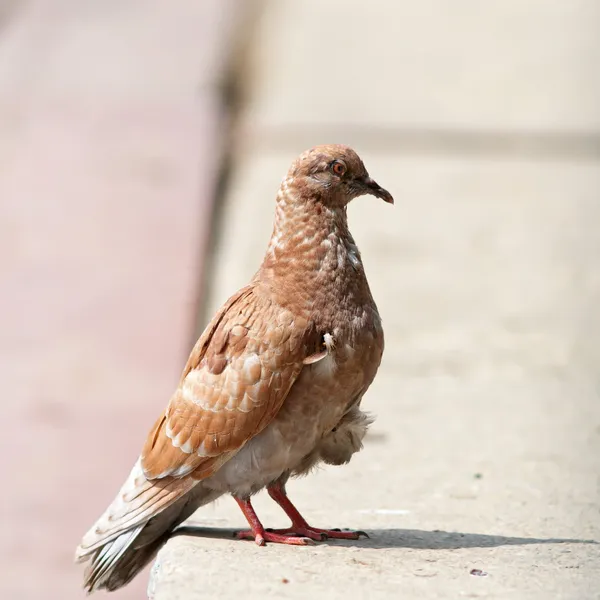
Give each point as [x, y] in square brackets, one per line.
[405, 538]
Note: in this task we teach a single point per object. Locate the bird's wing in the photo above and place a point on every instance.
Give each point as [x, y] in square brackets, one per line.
[236, 379]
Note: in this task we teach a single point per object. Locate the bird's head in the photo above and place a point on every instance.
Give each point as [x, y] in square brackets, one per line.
[333, 174]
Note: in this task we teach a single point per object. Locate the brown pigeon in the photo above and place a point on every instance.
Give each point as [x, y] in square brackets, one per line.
[272, 387]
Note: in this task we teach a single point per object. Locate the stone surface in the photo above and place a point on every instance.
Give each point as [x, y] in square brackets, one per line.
[110, 133]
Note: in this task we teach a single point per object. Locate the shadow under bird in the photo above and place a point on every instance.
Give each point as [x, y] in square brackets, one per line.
[272, 388]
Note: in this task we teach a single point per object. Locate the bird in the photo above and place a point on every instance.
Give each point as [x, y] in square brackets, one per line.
[272, 388]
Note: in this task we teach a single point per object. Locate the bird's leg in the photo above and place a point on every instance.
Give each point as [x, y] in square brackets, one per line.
[259, 534]
[299, 524]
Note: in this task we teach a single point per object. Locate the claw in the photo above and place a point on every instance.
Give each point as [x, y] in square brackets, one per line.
[363, 533]
[343, 534]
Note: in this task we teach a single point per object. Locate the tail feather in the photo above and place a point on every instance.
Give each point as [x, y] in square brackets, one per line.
[132, 529]
[146, 543]
[129, 566]
[138, 500]
[107, 557]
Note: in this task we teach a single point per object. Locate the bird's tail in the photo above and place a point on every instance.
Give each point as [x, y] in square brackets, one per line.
[133, 528]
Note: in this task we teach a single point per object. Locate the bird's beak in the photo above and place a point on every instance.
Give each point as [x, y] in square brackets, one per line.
[373, 188]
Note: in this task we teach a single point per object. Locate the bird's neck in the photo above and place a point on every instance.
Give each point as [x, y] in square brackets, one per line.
[311, 255]
[301, 230]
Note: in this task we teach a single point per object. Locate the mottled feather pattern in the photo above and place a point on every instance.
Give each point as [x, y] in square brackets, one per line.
[273, 386]
[238, 382]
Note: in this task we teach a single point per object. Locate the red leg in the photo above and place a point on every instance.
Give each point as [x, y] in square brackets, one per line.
[299, 524]
[260, 535]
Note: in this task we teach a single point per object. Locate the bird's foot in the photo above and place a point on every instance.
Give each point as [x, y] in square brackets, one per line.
[299, 534]
[320, 535]
[274, 537]
[299, 524]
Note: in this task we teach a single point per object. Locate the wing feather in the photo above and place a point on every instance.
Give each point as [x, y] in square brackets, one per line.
[236, 379]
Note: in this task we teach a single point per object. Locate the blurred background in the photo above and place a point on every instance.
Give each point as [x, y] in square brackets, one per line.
[141, 147]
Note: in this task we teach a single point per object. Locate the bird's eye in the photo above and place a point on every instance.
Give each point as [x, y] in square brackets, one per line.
[338, 168]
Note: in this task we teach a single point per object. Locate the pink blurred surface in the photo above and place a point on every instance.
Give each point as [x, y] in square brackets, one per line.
[109, 149]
